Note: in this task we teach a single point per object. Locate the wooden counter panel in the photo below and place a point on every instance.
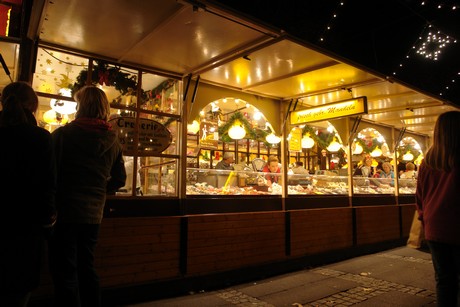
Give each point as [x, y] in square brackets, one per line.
[407, 215]
[225, 242]
[320, 230]
[377, 224]
[136, 250]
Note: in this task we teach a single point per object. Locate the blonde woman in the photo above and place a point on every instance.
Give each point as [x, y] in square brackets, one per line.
[90, 165]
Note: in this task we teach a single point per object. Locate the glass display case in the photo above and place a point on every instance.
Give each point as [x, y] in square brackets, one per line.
[244, 182]
[225, 182]
[323, 182]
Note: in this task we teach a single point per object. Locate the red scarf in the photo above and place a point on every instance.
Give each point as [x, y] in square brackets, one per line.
[92, 124]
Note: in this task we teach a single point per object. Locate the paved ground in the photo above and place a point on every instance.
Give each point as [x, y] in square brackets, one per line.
[402, 277]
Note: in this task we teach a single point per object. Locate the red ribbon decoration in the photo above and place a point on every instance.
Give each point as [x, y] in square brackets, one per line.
[104, 78]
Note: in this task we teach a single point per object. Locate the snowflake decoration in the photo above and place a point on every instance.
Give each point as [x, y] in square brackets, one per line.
[433, 44]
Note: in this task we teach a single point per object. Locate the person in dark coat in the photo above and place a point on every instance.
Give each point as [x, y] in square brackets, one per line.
[438, 207]
[89, 166]
[27, 186]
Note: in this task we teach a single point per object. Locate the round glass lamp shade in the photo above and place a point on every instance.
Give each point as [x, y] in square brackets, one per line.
[272, 138]
[408, 156]
[334, 146]
[307, 142]
[193, 127]
[358, 149]
[377, 152]
[63, 106]
[53, 118]
[236, 132]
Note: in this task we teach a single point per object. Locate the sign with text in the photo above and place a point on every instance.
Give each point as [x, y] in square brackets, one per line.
[342, 108]
[209, 135]
[154, 137]
[295, 144]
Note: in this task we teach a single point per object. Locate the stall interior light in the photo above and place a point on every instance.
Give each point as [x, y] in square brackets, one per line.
[193, 127]
[358, 149]
[237, 131]
[334, 146]
[272, 138]
[52, 117]
[377, 152]
[307, 141]
[64, 106]
[408, 156]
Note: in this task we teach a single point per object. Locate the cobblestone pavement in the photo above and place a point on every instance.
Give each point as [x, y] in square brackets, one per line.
[371, 280]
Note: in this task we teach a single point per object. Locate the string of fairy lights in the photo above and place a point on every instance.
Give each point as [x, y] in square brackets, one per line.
[331, 22]
[430, 43]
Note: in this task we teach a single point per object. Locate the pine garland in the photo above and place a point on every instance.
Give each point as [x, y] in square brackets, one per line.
[402, 150]
[369, 149]
[322, 140]
[110, 76]
[251, 133]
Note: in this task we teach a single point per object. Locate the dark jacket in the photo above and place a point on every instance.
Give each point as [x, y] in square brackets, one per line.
[90, 165]
[27, 187]
[27, 177]
[438, 205]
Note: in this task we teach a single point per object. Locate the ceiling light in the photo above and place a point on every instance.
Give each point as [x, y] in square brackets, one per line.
[358, 149]
[237, 131]
[307, 141]
[272, 138]
[377, 152]
[334, 146]
[408, 156]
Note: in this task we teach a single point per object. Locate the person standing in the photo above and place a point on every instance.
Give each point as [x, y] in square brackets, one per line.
[89, 166]
[438, 207]
[28, 180]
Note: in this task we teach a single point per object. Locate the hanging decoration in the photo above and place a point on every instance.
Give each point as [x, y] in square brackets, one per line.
[377, 152]
[251, 133]
[405, 152]
[103, 74]
[334, 146]
[307, 141]
[369, 148]
[236, 131]
[321, 139]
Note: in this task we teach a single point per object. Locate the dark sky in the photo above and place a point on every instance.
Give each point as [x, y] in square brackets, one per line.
[377, 34]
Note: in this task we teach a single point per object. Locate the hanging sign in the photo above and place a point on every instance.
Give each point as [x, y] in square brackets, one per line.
[154, 137]
[295, 140]
[209, 135]
[342, 108]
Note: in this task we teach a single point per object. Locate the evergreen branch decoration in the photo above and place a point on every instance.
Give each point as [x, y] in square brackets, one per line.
[110, 76]
[369, 149]
[402, 150]
[322, 139]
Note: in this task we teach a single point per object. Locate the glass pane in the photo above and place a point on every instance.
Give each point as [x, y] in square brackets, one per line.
[160, 94]
[225, 182]
[158, 176]
[56, 74]
[322, 183]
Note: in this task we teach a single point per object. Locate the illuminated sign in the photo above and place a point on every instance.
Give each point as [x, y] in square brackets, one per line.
[342, 108]
[154, 137]
[295, 140]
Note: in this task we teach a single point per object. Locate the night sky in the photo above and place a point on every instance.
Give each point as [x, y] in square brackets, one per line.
[375, 34]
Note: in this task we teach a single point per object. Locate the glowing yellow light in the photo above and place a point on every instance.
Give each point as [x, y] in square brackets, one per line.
[307, 141]
[237, 131]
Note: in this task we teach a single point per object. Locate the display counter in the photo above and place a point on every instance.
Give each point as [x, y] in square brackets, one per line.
[224, 182]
